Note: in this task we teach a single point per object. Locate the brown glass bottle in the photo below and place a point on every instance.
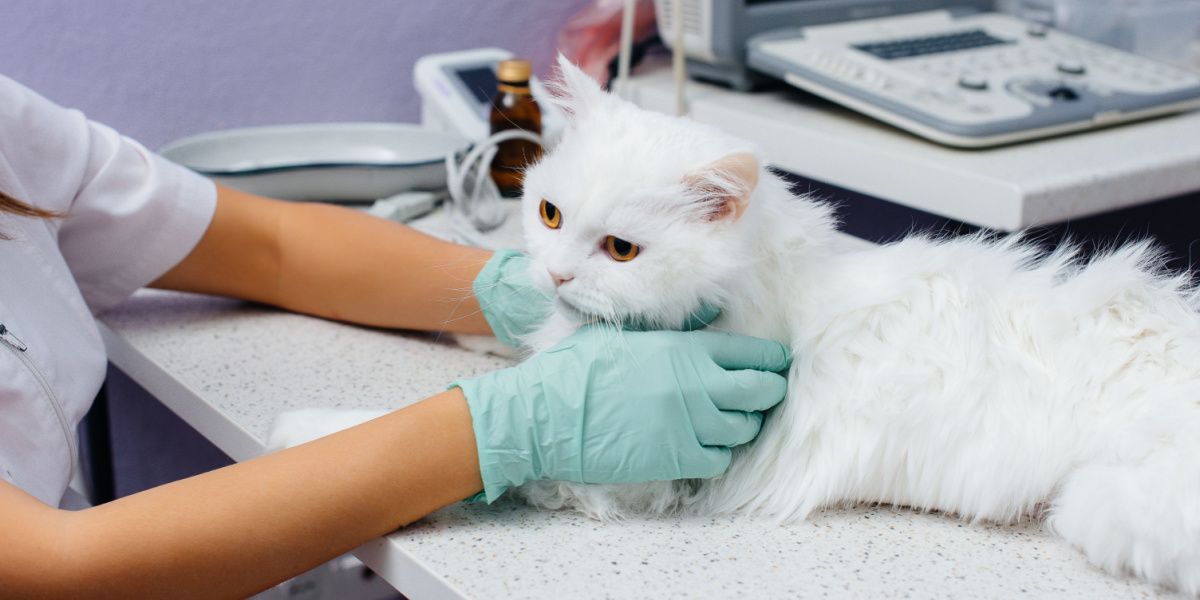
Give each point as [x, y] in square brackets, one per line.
[514, 108]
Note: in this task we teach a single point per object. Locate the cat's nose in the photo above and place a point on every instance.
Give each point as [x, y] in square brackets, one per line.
[560, 279]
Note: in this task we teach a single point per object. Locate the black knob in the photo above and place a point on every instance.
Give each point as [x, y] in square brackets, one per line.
[1063, 93]
[1072, 67]
[971, 81]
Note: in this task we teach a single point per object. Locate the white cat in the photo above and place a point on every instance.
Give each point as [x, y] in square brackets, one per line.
[968, 376]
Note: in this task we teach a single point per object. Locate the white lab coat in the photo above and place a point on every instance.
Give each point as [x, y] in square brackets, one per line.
[130, 217]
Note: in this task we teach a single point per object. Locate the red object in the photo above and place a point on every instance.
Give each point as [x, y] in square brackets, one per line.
[592, 38]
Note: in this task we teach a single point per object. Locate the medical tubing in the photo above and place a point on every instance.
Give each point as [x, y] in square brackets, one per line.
[678, 53]
[475, 199]
[626, 47]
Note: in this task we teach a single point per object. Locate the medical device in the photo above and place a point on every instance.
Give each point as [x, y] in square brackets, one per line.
[456, 90]
[476, 206]
[959, 76]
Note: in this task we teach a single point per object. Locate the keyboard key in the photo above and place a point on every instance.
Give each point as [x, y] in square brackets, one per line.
[904, 48]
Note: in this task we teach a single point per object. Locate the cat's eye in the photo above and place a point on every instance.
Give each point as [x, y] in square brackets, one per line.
[550, 215]
[621, 250]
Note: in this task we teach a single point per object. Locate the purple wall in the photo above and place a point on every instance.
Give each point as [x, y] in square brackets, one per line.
[158, 70]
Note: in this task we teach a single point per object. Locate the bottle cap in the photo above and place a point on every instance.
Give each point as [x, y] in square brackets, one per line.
[514, 71]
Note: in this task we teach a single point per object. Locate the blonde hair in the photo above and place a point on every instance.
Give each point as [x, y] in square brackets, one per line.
[11, 205]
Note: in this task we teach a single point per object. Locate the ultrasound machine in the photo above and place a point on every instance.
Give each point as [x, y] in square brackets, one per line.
[950, 71]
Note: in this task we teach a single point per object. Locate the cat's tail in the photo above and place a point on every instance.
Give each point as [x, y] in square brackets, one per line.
[1138, 509]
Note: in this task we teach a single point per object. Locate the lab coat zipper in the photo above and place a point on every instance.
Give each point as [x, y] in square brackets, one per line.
[19, 349]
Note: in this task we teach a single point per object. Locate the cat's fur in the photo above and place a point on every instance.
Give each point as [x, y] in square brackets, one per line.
[970, 376]
[975, 377]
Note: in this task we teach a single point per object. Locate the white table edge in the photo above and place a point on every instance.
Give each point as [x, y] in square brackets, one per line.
[984, 199]
[405, 572]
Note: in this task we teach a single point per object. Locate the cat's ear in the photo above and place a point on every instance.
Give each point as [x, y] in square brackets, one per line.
[574, 91]
[723, 188]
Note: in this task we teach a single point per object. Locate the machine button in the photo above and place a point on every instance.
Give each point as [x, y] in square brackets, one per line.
[948, 97]
[972, 82]
[1072, 67]
[1063, 93]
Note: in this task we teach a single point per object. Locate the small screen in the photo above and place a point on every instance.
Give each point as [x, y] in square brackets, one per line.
[481, 81]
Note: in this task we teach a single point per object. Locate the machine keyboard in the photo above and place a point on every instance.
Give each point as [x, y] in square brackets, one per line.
[932, 44]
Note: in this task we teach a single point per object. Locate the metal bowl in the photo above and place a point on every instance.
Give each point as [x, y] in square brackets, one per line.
[321, 161]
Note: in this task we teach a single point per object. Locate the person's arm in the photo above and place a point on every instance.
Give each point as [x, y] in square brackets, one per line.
[333, 262]
[240, 529]
[669, 406]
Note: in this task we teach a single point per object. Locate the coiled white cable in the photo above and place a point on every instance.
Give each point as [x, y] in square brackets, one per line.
[678, 54]
[625, 50]
[476, 206]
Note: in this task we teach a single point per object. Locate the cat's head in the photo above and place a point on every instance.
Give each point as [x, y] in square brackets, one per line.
[636, 215]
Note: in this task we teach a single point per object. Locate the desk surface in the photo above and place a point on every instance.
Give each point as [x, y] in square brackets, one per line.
[1006, 188]
[227, 368]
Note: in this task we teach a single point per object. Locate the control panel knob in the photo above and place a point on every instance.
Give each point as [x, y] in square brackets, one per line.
[1072, 67]
[972, 81]
[1063, 93]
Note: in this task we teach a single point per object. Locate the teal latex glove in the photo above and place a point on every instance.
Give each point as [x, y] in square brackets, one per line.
[514, 308]
[511, 304]
[644, 406]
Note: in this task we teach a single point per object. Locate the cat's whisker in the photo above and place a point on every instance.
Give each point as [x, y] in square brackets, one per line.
[466, 315]
[616, 327]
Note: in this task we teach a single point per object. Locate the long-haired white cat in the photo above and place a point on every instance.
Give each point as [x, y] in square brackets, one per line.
[965, 376]
[968, 376]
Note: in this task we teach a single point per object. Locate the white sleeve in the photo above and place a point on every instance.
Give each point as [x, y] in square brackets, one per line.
[131, 215]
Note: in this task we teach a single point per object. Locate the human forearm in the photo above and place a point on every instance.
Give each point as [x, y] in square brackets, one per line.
[282, 513]
[376, 272]
[335, 263]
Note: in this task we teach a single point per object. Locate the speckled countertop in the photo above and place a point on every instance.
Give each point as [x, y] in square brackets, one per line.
[250, 362]
[229, 367]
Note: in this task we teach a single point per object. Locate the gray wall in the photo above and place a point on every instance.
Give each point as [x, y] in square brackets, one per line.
[160, 69]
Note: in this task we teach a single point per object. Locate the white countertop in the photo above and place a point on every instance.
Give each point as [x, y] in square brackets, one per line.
[227, 368]
[1007, 188]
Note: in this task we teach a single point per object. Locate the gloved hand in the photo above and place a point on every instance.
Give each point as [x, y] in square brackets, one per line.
[511, 304]
[514, 308]
[623, 407]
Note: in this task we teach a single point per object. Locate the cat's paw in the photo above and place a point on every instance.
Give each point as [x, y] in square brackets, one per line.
[593, 501]
[485, 344]
[607, 502]
[296, 427]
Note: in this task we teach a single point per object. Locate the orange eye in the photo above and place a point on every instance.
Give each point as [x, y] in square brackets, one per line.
[621, 250]
[550, 215]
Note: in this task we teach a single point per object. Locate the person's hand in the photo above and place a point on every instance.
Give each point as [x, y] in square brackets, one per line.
[511, 304]
[622, 407]
[514, 307]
